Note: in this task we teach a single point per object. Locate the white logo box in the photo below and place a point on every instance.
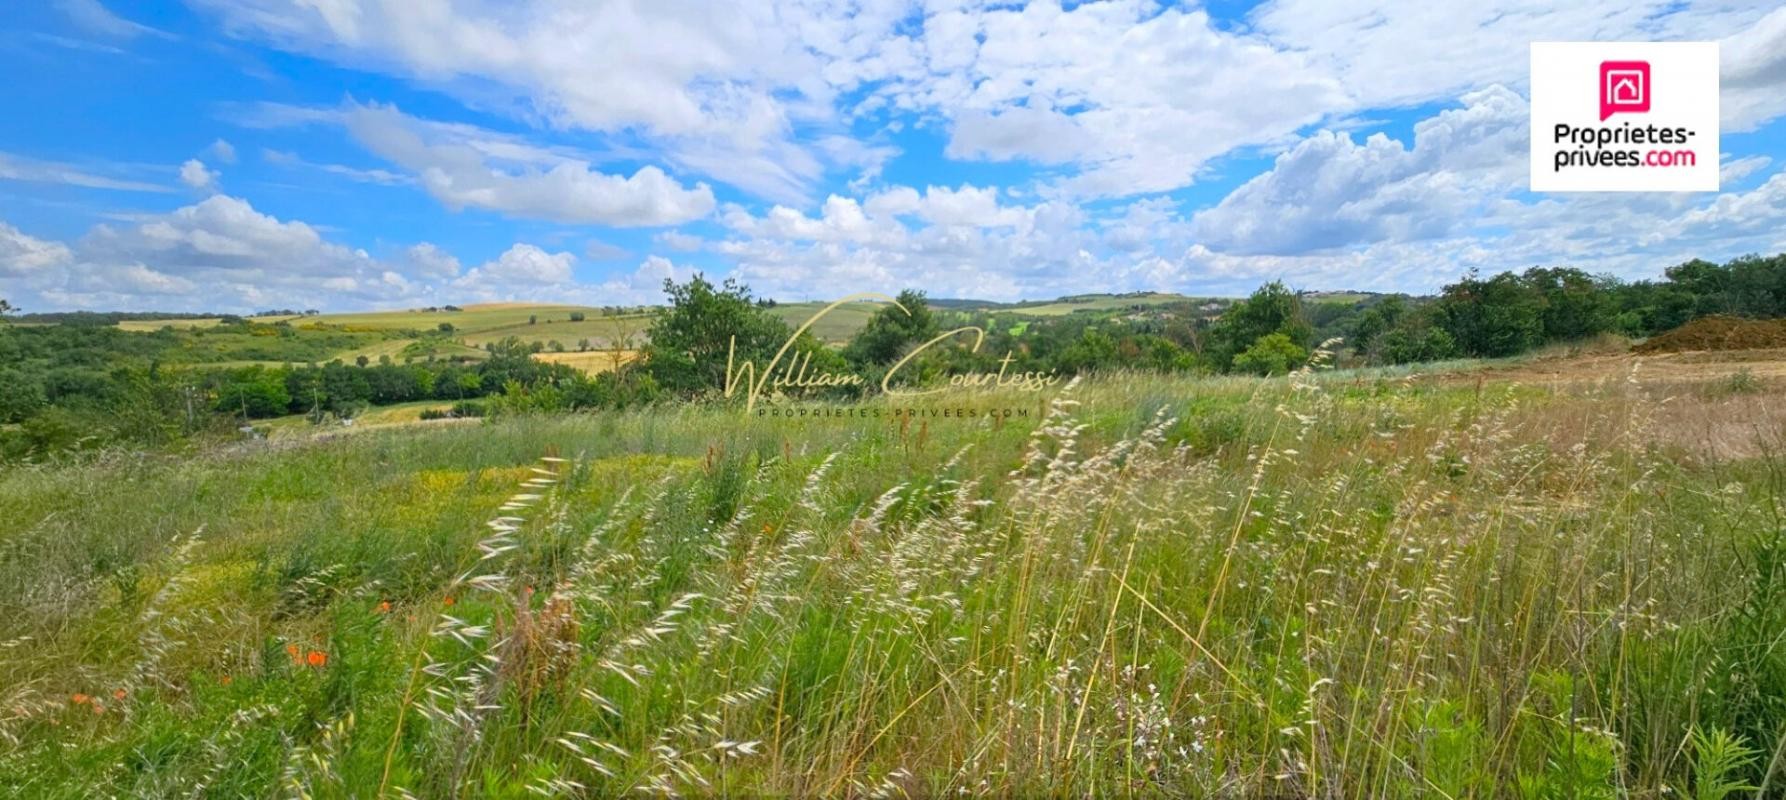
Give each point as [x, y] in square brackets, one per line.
[1681, 93]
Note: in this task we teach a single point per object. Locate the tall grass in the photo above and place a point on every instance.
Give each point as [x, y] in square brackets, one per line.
[1332, 586]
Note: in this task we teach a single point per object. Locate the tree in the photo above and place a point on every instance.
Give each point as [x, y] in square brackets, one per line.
[891, 330]
[1374, 322]
[1272, 308]
[1416, 342]
[1574, 305]
[255, 393]
[1092, 351]
[576, 316]
[7, 308]
[1272, 354]
[1491, 318]
[691, 337]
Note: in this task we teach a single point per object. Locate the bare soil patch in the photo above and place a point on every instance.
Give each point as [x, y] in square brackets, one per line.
[1718, 333]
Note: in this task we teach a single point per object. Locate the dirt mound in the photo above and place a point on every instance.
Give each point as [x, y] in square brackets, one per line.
[1718, 333]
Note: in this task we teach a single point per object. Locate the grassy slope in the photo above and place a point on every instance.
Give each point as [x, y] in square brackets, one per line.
[471, 319]
[835, 327]
[598, 330]
[593, 362]
[1097, 303]
[481, 324]
[1385, 587]
[299, 425]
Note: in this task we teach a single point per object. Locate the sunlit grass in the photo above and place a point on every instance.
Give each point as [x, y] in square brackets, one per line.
[1338, 586]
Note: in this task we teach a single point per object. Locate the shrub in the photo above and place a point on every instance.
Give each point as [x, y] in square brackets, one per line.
[1272, 354]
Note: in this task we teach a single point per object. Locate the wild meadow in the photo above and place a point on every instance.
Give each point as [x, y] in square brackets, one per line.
[1352, 584]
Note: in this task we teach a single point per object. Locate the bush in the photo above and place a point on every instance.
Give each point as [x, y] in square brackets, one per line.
[1272, 354]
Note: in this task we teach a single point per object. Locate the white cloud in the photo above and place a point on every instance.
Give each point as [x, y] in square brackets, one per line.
[901, 238]
[193, 173]
[679, 241]
[1736, 169]
[217, 254]
[528, 272]
[429, 261]
[1114, 98]
[22, 255]
[522, 265]
[721, 86]
[94, 17]
[1752, 75]
[223, 151]
[1329, 191]
[1137, 98]
[644, 285]
[19, 168]
[1389, 53]
[463, 170]
[598, 250]
[382, 177]
[968, 205]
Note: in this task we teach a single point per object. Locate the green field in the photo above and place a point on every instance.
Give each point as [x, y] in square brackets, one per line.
[299, 425]
[479, 325]
[601, 332]
[189, 324]
[1097, 303]
[835, 327]
[472, 318]
[1353, 585]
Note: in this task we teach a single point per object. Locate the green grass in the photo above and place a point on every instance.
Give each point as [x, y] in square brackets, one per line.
[1366, 585]
[835, 327]
[472, 318]
[371, 418]
[376, 333]
[1096, 303]
[600, 331]
[188, 324]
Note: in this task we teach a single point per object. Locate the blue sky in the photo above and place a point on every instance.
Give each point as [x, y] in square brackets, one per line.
[236, 155]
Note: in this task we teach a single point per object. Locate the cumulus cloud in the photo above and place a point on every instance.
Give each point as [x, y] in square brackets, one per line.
[1388, 53]
[1752, 75]
[1329, 191]
[196, 175]
[1136, 97]
[428, 261]
[23, 256]
[218, 254]
[644, 285]
[523, 265]
[725, 98]
[462, 169]
[951, 242]
[1118, 98]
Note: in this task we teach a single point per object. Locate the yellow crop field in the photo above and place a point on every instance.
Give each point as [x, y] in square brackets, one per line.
[593, 362]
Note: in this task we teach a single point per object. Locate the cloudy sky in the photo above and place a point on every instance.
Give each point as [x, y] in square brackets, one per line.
[238, 155]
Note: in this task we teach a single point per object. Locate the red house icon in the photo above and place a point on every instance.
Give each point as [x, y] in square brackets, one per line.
[1624, 87]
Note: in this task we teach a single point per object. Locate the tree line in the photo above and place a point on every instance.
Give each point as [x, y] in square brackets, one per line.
[79, 385]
